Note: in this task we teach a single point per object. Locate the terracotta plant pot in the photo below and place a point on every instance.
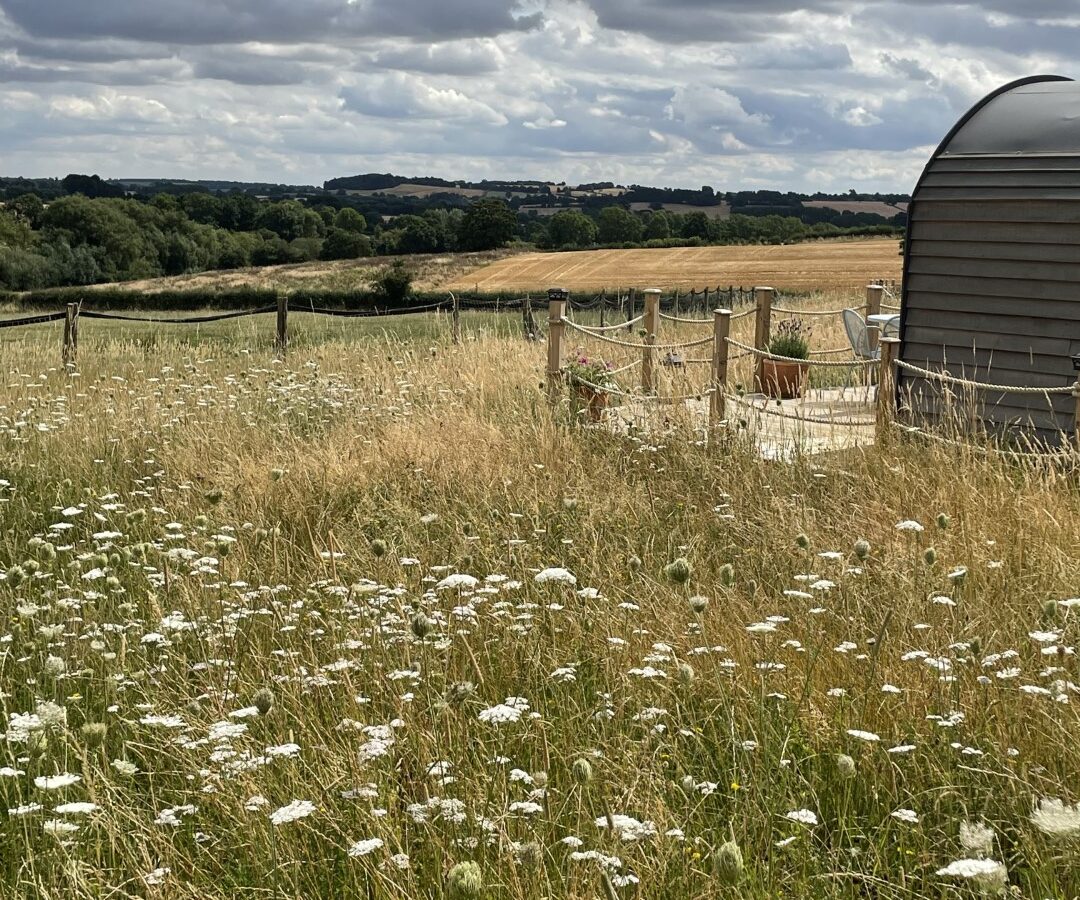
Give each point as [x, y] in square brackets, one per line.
[784, 380]
[594, 402]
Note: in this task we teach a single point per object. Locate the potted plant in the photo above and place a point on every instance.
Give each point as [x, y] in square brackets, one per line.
[591, 381]
[785, 379]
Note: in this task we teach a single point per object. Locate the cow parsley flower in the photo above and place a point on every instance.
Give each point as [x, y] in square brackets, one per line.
[802, 816]
[291, 812]
[555, 576]
[56, 782]
[1055, 818]
[363, 848]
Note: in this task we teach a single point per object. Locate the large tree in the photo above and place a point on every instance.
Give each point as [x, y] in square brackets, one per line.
[570, 228]
[618, 225]
[487, 224]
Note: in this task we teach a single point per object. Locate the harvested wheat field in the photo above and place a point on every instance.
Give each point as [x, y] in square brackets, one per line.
[809, 266]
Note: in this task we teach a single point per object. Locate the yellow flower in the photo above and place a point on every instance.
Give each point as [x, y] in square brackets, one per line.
[735, 785]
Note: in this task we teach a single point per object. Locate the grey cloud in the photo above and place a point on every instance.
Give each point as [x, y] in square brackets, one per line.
[233, 21]
[253, 70]
[457, 58]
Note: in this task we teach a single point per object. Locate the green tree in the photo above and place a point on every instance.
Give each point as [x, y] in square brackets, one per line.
[348, 219]
[394, 283]
[487, 224]
[416, 235]
[343, 243]
[29, 208]
[286, 219]
[695, 224]
[658, 227]
[239, 212]
[570, 228]
[202, 208]
[618, 225]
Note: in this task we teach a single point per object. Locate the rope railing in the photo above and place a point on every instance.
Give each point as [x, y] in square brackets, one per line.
[185, 320]
[815, 312]
[740, 401]
[631, 344]
[947, 378]
[830, 352]
[1048, 456]
[647, 398]
[742, 315]
[684, 321]
[764, 354]
[32, 320]
[618, 325]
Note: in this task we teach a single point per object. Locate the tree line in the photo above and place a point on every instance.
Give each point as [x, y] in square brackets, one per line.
[91, 235]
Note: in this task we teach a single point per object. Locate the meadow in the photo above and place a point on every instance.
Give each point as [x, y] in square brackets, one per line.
[374, 619]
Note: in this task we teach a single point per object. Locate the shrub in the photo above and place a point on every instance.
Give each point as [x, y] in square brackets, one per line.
[792, 338]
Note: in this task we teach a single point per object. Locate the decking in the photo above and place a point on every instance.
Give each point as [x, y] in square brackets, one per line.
[822, 421]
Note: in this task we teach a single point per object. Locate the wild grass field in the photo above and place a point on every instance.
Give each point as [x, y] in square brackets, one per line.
[373, 620]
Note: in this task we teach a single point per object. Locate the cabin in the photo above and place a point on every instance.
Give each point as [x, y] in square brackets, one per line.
[991, 289]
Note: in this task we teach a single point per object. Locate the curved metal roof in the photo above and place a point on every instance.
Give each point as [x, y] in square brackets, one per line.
[1040, 114]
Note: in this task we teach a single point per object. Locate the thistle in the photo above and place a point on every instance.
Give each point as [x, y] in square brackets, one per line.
[263, 700]
[678, 570]
[465, 881]
[728, 863]
[582, 770]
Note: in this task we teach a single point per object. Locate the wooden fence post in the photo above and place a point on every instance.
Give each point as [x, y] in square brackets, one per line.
[652, 333]
[71, 334]
[874, 293]
[1076, 413]
[557, 298]
[455, 319]
[675, 304]
[629, 309]
[282, 340]
[886, 398]
[763, 296]
[721, 330]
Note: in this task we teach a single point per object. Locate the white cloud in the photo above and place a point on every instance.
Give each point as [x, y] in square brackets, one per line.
[786, 94]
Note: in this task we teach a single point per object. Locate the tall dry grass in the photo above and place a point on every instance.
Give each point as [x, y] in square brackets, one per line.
[235, 574]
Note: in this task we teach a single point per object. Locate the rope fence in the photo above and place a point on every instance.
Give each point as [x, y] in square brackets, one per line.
[765, 354]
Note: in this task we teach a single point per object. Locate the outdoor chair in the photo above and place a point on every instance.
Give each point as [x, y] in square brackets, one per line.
[858, 333]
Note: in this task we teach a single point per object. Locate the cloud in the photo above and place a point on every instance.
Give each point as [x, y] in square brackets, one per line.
[788, 94]
[400, 95]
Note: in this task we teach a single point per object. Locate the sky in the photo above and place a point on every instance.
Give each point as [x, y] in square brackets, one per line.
[822, 95]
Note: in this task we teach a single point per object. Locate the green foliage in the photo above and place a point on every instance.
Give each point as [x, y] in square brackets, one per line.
[28, 208]
[288, 219]
[344, 243]
[572, 229]
[658, 226]
[617, 225]
[394, 283]
[487, 224]
[791, 338]
[348, 219]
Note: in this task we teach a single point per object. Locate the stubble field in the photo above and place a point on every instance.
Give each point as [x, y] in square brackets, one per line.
[800, 267]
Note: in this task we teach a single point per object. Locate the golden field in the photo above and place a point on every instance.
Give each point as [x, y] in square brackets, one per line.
[800, 267]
